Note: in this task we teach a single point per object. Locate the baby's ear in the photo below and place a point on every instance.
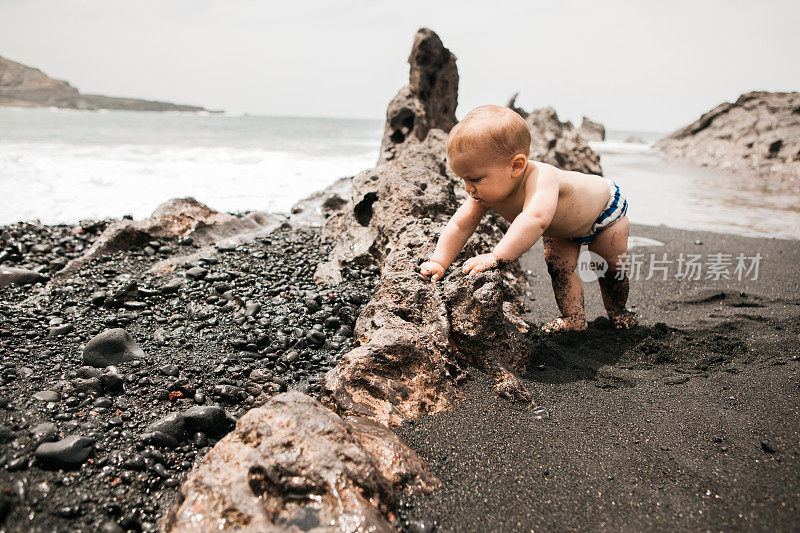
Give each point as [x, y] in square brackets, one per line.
[518, 162]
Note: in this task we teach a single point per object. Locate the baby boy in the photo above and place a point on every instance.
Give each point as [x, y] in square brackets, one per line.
[489, 150]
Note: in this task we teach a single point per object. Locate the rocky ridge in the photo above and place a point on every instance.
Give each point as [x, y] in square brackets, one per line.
[759, 132]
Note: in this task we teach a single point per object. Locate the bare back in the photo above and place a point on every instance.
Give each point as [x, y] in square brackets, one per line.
[581, 198]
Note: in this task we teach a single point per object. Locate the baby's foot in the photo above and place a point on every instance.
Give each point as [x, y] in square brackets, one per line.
[565, 323]
[624, 319]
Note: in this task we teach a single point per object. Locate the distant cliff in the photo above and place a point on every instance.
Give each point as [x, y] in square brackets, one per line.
[24, 86]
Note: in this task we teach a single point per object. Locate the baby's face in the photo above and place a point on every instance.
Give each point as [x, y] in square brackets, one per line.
[487, 180]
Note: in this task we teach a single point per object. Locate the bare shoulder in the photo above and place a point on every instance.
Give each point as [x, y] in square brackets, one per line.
[544, 177]
[568, 178]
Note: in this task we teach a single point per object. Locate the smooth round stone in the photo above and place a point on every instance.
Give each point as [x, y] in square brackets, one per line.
[16, 464]
[111, 347]
[157, 438]
[45, 432]
[66, 453]
[539, 413]
[252, 309]
[46, 396]
[170, 370]
[171, 286]
[18, 276]
[197, 272]
[98, 297]
[173, 424]
[209, 419]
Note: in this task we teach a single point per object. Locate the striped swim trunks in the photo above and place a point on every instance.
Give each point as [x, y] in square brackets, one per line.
[615, 208]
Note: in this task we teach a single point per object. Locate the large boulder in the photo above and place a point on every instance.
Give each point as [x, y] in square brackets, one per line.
[592, 131]
[294, 465]
[558, 143]
[428, 101]
[760, 132]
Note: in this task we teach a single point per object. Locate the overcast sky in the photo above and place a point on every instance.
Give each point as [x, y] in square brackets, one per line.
[650, 65]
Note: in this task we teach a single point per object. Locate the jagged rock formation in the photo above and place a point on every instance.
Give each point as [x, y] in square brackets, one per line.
[428, 101]
[558, 143]
[312, 212]
[759, 132]
[591, 130]
[23, 86]
[294, 465]
[418, 339]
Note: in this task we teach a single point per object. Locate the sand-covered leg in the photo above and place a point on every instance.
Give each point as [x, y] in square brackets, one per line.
[612, 245]
[561, 256]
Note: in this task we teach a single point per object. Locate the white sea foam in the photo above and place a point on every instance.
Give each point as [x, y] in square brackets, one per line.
[620, 147]
[58, 182]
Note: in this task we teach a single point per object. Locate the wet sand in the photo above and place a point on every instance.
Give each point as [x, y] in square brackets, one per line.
[690, 421]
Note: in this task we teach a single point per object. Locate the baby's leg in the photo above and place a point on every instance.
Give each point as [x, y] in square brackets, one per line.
[611, 244]
[561, 256]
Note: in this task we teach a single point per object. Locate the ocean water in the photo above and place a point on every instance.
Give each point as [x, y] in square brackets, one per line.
[689, 197]
[61, 166]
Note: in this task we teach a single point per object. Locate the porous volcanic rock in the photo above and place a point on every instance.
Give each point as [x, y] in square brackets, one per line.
[296, 464]
[558, 143]
[758, 132]
[428, 101]
[313, 211]
[417, 338]
[591, 130]
[293, 465]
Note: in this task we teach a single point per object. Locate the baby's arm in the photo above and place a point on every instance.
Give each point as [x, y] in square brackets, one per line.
[454, 235]
[526, 229]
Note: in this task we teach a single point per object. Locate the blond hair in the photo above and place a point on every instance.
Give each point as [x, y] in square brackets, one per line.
[499, 131]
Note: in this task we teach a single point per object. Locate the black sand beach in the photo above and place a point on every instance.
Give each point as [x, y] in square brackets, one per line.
[213, 337]
[690, 421]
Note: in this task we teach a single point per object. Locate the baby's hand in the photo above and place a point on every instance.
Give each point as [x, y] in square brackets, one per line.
[479, 263]
[433, 270]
